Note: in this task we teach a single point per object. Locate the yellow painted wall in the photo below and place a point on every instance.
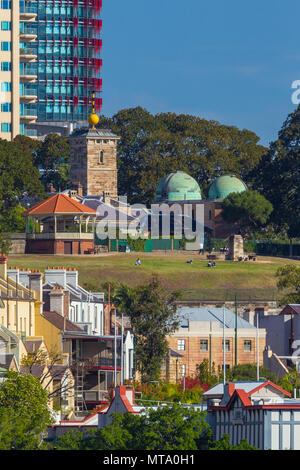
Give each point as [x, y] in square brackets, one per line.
[50, 333]
[17, 316]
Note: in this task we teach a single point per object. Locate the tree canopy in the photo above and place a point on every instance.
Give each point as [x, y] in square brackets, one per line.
[245, 372]
[153, 316]
[164, 428]
[224, 444]
[278, 176]
[289, 282]
[153, 145]
[24, 412]
[250, 210]
[53, 157]
[17, 174]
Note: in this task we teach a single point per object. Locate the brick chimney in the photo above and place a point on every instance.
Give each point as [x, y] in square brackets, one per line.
[79, 189]
[72, 277]
[56, 296]
[106, 197]
[36, 285]
[3, 266]
[249, 315]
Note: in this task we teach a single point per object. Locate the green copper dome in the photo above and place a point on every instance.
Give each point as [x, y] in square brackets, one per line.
[224, 185]
[177, 186]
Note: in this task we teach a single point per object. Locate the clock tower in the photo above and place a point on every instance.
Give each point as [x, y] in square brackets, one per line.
[93, 160]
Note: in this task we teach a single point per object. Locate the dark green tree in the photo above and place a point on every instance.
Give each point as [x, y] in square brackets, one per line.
[207, 375]
[290, 381]
[76, 440]
[289, 282]
[249, 210]
[153, 316]
[278, 176]
[12, 219]
[248, 372]
[18, 175]
[28, 145]
[224, 444]
[151, 146]
[24, 412]
[5, 244]
[53, 157]
[166, 428]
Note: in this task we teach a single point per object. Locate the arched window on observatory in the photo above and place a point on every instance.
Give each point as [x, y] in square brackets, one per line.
[101, 157]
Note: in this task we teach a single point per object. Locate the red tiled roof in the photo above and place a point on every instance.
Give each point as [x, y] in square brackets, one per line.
[58, 320]
[244, 397]
[126, 402]
[59, 204]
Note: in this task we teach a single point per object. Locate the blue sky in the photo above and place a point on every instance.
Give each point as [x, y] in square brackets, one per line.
[228, 60]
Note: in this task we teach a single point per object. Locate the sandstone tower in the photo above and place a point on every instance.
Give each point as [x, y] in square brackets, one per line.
[94, 160]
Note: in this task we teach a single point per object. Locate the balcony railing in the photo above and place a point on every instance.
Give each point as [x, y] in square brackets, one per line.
[28, 51]
[27, 29]
[95, 395]
[60, 236]
[28, 55]
[30, 34]
[28, 92]
[28, 112]
[27, 9]
[98, 361]
[28, 70]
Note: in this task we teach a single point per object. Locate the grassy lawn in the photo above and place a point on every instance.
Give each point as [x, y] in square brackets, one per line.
[249, 280]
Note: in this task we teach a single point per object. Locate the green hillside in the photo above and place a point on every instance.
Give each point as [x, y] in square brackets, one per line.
[249, 280]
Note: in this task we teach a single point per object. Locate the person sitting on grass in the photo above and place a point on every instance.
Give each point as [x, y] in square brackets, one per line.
[138, 262]
[190, 261]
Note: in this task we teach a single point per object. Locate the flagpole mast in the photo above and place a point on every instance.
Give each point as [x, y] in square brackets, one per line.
[257, 346]
[224, 349]
[122, 359]
[115, 348]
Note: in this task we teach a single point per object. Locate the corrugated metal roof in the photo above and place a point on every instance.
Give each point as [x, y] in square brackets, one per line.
[91, 132]
[246, 386]
[213, 314]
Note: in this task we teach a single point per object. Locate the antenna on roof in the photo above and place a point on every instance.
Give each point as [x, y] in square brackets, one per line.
[93, 118]
[257, 347]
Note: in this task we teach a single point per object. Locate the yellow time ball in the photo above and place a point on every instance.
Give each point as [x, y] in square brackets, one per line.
[93, 119]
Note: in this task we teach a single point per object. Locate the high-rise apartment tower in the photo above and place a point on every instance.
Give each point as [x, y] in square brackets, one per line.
[50, 64]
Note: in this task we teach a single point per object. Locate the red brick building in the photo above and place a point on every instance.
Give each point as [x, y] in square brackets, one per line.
[60, 225]
[200, 336]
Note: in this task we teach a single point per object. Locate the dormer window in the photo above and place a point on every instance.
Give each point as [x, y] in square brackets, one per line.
[101, 157]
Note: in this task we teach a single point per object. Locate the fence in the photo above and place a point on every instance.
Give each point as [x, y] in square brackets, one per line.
[149, 245]
[277, 249]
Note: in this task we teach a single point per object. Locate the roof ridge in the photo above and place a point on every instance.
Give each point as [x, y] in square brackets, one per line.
[76, 204]
[56, 202]
[39, 204]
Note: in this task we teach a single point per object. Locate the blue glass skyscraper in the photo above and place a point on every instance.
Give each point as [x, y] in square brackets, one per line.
[50, 64]
[68, 62]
